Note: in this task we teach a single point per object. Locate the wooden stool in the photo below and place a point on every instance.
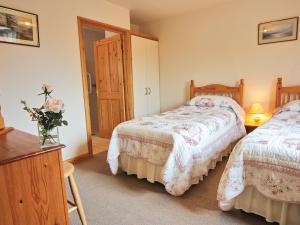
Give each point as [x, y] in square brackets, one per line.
[68, 173]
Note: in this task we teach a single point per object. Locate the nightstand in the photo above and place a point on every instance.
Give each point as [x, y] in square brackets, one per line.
[251, 125]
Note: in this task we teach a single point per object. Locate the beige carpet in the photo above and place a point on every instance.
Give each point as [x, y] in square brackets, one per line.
[126, 200]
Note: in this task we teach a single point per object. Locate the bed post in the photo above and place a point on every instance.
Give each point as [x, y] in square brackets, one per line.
[278, 92]
[241, 89]
[192, 89]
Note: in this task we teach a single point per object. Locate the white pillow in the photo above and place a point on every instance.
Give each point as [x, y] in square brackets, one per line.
[211, 101]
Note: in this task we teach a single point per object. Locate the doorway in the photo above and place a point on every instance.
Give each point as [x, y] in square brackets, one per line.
[107, 82]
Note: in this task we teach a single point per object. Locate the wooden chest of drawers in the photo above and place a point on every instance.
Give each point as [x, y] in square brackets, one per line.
[32, 189]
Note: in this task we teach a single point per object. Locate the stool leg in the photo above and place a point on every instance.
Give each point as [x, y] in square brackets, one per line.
[77, 199]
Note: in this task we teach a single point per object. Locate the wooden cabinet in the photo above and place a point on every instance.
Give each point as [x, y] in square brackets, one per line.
[145, 67]
[31, 182]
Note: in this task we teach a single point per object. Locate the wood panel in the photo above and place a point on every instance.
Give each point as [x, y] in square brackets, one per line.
[116, 112]
[286, 94]
[32, 191]
[218, 89]
[104, 111]
[85, 86]
[128, 78]
[109, 83]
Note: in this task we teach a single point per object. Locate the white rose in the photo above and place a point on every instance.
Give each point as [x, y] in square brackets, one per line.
[47, 88]
[54, 105]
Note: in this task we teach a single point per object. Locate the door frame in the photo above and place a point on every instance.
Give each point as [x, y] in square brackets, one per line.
[128, 80]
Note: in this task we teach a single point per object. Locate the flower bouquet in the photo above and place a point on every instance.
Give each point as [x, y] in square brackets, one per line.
[48, 117]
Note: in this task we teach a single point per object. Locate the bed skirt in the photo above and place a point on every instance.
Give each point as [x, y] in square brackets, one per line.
[153, 173]
[252, 201]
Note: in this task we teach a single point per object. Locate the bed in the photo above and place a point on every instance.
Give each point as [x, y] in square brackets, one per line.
[262, 175]
[178, 147]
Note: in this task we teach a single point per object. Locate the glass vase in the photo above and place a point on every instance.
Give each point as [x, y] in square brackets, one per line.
[48, 138]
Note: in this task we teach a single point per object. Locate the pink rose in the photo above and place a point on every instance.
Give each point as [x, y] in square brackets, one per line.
[54, 105]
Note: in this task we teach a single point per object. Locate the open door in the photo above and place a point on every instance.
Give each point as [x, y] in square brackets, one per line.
[109, 84]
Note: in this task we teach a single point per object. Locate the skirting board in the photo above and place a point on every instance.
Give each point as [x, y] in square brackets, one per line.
[99, 145]
[79, 158]
[6, 130]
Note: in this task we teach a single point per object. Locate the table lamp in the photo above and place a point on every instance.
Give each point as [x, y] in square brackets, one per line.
[257, 110]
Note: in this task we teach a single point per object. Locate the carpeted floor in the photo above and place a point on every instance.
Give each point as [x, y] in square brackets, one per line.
[126, 200]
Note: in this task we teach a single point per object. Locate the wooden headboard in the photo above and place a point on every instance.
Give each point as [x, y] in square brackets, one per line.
[286, 94]
[217, 89]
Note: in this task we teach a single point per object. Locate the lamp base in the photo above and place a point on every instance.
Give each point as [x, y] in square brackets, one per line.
[257, 119]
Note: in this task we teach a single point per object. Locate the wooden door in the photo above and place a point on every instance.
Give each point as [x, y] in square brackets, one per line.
[109, 84]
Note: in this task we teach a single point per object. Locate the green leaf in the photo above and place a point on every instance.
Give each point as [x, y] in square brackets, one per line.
[41, 113]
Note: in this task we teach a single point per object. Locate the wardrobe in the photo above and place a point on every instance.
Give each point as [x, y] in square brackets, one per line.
[145, 68]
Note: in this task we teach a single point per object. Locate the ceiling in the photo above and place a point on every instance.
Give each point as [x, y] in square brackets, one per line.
[143, 11]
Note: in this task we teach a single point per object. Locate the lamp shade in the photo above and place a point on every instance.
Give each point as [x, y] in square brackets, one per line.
[256, 108]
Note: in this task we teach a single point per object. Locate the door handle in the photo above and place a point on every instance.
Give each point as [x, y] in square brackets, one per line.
[146, 89]
[90, 83]
[149, 91]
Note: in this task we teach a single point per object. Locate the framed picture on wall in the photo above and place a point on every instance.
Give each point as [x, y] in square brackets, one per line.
[19, 27]
[278, 31]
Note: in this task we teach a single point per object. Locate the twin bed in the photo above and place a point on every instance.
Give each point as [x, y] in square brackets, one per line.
[177, 148]
[262, 175]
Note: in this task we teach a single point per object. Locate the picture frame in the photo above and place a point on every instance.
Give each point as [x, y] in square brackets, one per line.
[278, 31]
[19, 27]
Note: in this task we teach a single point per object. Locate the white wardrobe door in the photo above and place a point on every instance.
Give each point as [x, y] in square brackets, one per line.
[139, 65]
[153, 76]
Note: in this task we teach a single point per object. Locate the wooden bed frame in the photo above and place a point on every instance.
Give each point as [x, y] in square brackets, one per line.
[286, 94]
[217, 89]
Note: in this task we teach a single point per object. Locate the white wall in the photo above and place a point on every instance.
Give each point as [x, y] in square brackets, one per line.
[57, 62]
[219, 45]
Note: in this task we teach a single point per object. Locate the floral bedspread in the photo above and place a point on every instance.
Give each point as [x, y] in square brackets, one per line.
[268, 159]
[182, 140]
